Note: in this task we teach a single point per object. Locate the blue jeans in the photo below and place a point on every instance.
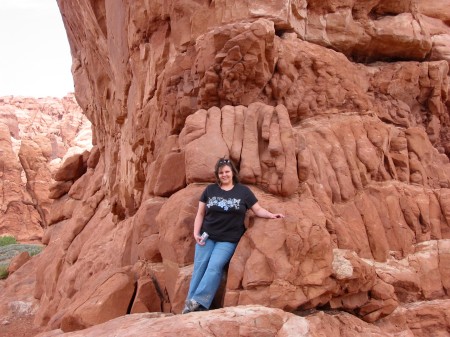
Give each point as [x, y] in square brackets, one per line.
[209, 262]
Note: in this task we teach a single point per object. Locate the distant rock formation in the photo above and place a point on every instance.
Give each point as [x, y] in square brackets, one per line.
[36, 135]
[337, 114]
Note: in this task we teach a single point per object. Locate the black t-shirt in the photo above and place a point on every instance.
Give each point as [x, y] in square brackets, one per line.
[225, 211]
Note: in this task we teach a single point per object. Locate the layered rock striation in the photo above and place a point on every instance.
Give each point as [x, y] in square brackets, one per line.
[337, 116]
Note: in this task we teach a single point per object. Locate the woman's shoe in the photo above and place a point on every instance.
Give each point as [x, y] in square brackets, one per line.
[190, 306]
[193, 305]
[185, 310]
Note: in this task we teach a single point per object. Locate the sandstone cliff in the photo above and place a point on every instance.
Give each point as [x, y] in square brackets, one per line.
[36, 135]
[336, 113]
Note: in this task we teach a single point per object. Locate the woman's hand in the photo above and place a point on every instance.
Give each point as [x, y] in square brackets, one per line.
[198, 222]
[198, 239]
[263, 213]
[276, 216]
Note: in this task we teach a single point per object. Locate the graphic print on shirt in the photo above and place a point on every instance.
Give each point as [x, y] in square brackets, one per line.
[225, 204]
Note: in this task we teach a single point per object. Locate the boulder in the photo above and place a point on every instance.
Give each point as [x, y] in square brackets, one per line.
[18, 261]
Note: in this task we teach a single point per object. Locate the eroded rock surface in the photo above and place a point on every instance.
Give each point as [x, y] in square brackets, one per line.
[336, 114]
[36, 134]
[236, 321]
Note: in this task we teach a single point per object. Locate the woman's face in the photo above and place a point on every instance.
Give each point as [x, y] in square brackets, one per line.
[225, 175]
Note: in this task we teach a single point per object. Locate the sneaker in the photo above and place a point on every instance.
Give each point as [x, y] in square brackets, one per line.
[185, 310]
[193, 305]
[190, 306]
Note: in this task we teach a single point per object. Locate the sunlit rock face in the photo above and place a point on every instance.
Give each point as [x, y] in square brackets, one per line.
[36, 135]
[336, 114]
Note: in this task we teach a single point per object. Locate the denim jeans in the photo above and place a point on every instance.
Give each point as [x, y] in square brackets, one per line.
[209, 262]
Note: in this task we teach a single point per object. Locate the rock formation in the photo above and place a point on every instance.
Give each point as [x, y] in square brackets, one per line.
[35, 136]
[234, 321]
[336, 114]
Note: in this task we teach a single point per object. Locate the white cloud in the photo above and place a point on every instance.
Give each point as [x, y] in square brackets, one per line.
[35, 56]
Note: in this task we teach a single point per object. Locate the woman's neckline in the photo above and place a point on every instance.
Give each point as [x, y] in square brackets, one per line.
[228, 189]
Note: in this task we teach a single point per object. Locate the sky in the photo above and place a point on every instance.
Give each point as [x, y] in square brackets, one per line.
[35, 56]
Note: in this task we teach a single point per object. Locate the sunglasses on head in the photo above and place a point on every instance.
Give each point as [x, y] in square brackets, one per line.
[224, 161]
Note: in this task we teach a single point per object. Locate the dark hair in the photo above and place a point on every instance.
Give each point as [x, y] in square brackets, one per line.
[226, 162]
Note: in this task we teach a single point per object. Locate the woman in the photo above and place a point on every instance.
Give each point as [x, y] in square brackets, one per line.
[221, 214]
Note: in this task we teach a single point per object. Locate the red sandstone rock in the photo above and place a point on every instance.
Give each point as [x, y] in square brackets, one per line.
[269, 162]
[71, 169]
[145, 297]
[421, 319]
[108, 298]
[16, 292]
[355, 155]
[18, 261]
[59, 188]
[40, 133]
[237, 321]
[18, 217]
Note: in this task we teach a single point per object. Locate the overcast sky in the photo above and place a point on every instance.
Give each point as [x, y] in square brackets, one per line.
[35, 56]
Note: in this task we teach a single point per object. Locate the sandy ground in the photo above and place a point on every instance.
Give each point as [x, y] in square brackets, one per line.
[19, 327]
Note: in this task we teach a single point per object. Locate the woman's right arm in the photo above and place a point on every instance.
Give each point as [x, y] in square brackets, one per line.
[199, 221]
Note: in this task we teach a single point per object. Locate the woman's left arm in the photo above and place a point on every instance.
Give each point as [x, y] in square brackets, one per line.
[263, 213]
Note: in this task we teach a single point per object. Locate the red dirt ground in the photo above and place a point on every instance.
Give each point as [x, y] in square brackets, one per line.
[20, 327]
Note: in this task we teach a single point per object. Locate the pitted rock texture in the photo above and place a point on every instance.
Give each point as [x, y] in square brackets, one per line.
[355, 154]
[37, 134]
